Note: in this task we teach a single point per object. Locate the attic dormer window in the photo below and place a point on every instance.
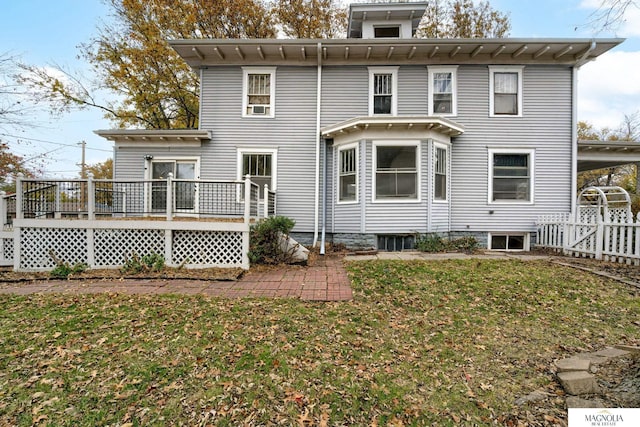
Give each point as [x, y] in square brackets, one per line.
[389, 32]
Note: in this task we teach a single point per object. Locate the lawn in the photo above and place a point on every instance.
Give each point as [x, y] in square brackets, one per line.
[422, 343]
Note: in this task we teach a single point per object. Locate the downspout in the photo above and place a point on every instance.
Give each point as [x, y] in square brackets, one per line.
[318, 140]
[324, 199]
[574, 125]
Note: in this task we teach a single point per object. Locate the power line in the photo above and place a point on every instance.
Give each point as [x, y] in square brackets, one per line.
[52, 142]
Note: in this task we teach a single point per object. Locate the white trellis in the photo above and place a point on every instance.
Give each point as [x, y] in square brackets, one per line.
[602, 227]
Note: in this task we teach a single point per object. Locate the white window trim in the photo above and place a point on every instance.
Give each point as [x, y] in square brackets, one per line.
[341, 148]
[394, 88]
[526, 246]
[147, 166]
[272, 95]
[374, 163]
[432, 70]
[492, 71]
[274, 163]
[532, 164]
[446, 148]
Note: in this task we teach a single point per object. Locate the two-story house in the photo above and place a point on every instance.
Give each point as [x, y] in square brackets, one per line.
[373, 138]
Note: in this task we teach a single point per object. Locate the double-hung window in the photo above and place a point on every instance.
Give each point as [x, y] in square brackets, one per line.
[348, 174]
[442, 91]
[260, 164]
[505, 97]
[383, 89]
[511, 176]
[396, 172]
[440, 174]
[258, 99]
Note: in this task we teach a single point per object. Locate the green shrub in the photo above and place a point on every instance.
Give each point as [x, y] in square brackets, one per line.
[465, 244]
[150, 262]
[265, 243]
[430, 243]
[64, 270]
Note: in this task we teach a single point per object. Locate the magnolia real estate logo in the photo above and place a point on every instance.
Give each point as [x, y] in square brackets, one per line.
[604, 417]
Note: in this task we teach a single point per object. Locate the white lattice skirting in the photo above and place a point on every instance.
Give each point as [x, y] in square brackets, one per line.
[108, 244]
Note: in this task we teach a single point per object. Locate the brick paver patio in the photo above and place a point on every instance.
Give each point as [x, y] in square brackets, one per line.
[325, 280]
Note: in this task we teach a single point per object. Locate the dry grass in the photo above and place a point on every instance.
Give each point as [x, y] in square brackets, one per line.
[422, 343]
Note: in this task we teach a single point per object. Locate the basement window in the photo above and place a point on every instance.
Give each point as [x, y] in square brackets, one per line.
[396, 243]
[509, 242]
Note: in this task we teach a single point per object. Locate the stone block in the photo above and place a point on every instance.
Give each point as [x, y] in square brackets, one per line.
[578, 402]
[573, 364]
[578, 382]
[629, 348]
[611, 353]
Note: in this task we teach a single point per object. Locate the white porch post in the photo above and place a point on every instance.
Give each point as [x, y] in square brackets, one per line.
[247, 198]
[3, 207]
[91, 197]
[170, 197]
[19, 197]
[266, 201]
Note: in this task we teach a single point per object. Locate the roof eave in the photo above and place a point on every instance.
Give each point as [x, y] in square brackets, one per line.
[311, 52]
[360, 123]
[154, 135]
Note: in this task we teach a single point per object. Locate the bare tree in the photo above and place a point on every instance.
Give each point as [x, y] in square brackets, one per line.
[610, 14]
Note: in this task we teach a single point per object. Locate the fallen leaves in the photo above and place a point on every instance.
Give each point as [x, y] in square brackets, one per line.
[421, 343]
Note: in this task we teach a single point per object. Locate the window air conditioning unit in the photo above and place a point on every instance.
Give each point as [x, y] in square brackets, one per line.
[258, 109]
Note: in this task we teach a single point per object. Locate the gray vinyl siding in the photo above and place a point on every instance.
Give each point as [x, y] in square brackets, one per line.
[412, 90]
[544, 127]
[292, 132]
[345, 92]
[130, 163]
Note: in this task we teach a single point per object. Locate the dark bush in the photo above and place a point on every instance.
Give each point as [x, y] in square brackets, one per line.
[265, 244]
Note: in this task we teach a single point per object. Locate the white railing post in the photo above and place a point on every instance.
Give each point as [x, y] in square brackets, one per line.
[266, 201]
[91, 197]
[19, 197]
[57, 208]
[3, 208]
[247, 198]
[170, 197]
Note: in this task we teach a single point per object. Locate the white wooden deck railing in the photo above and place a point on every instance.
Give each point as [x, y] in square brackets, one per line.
[103, 222]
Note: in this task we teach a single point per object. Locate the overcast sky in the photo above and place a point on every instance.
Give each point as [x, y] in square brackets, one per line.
[45, 31]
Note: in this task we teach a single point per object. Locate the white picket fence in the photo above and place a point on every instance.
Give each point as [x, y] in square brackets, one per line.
[591, 237]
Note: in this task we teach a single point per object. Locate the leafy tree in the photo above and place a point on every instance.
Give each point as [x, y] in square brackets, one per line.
[11, 165]
[463, 19]
[131, 58]
[103, 170]
[310, 19]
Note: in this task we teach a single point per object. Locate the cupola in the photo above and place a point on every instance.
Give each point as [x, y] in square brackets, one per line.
[398, 20]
